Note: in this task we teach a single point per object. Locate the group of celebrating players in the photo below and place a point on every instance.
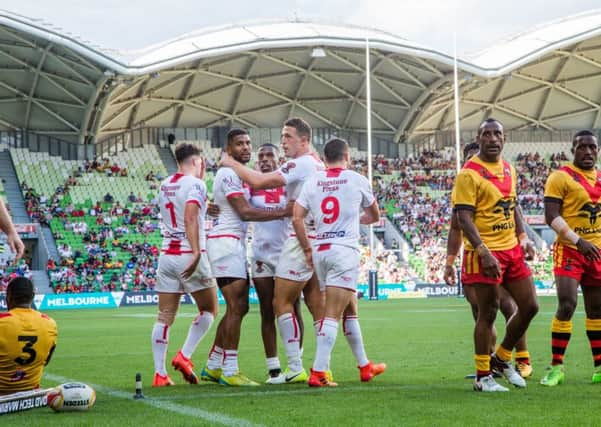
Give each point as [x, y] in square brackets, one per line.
[306, 221]
[496, 247]
[305, 218]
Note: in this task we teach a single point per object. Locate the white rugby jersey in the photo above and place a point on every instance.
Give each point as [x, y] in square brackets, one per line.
[269, 236]
[296, 172]
[336, 197]
[175, 192]
[228, 224]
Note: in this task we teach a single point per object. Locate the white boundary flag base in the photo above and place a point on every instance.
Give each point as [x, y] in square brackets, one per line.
[24, 401]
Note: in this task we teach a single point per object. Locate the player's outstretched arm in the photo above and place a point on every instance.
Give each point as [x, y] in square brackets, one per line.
[371, 214]
[561, 227]
[255, 179]
[193, 234]
[12, 237]
[490, 265]
[298, 222]
[453, 248]
[247, 213]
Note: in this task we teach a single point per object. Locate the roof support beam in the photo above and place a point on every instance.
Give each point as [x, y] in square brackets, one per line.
[34, 84]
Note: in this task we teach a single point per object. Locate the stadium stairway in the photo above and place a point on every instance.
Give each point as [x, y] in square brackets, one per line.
[14, 197]
[168, 160]
[42, 283]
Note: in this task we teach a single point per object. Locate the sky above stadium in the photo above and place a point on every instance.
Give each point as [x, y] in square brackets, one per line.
[134, 24]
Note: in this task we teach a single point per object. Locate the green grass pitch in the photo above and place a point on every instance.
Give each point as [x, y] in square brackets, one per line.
[426, 343]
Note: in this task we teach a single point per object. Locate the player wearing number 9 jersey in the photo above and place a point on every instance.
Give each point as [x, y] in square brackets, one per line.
[27, 339]
[335, 198]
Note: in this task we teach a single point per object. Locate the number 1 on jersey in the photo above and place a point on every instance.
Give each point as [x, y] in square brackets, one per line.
[330, 207]
[171, 207]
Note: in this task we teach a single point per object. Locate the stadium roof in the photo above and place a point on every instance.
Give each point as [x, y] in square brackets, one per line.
[256, 75]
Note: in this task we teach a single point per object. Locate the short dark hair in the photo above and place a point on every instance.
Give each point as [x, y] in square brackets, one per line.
[334, 150]
[584, 132]
[270, 145]
[20, 291]
[469, 147]
[487, 122]
[185, 150]
[234, 133]
[302, 127]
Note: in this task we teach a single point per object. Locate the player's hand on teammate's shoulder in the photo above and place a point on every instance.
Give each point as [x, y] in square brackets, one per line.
[191, 268]
[213, 209]
[226, 160]
[590, 251]
[449, 275]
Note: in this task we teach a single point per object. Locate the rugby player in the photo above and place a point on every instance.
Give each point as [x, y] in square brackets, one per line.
[335, 199]
[572, 209]
[183, 263]
[267, 242]
[506, 303]
[27, 339]
[485, 200]
[293, 275]
[227, 253]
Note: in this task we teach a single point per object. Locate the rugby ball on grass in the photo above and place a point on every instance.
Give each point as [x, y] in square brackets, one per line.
[71, 397]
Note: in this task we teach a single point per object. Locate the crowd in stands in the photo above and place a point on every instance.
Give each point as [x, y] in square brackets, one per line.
[8, 271]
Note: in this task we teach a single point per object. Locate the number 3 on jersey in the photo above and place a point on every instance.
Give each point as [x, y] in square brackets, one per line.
[330, 207]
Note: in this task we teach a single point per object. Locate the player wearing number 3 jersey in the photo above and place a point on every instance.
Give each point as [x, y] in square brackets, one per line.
[27, 340]
[335, 198]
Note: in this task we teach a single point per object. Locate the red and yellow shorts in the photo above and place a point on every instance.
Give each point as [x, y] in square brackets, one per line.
[512, 262]
[570, 263]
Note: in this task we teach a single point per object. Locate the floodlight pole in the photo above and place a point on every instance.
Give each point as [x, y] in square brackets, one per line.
[457, 137]
[373, 273]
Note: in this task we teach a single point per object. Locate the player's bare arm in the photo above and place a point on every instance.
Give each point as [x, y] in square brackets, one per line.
[490, 265]
[255, 179]
[247, 213]
[559, 225]
[12, 237]
[520, 229]
[370, 214]
[298, 222]
[193, 234]
[453, 248]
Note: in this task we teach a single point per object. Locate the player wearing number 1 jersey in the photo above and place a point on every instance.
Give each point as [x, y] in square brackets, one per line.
[183, 263]
[27, 340]
[293, 274]
[335, 198]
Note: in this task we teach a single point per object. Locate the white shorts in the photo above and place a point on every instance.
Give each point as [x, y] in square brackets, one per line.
[292, 265]
[228, 257]
[264, 265]
[337, 266]
[169, 279]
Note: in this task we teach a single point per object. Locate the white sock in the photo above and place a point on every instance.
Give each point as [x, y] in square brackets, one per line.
[272, 363]
[160, 340]
[291, 338]
[199, 327]
[215, 358]
[352, 332]
[230, 362]
[326, 338]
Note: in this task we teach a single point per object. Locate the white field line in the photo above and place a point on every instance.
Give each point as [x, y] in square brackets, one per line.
[212, 417]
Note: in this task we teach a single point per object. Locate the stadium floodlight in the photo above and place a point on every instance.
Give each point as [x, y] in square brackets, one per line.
[318, 53]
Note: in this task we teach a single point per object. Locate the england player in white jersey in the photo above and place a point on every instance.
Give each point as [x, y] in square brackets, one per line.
[227, 255]
[267, 243]
[183, 263]
[335, 197]
[293, 274]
